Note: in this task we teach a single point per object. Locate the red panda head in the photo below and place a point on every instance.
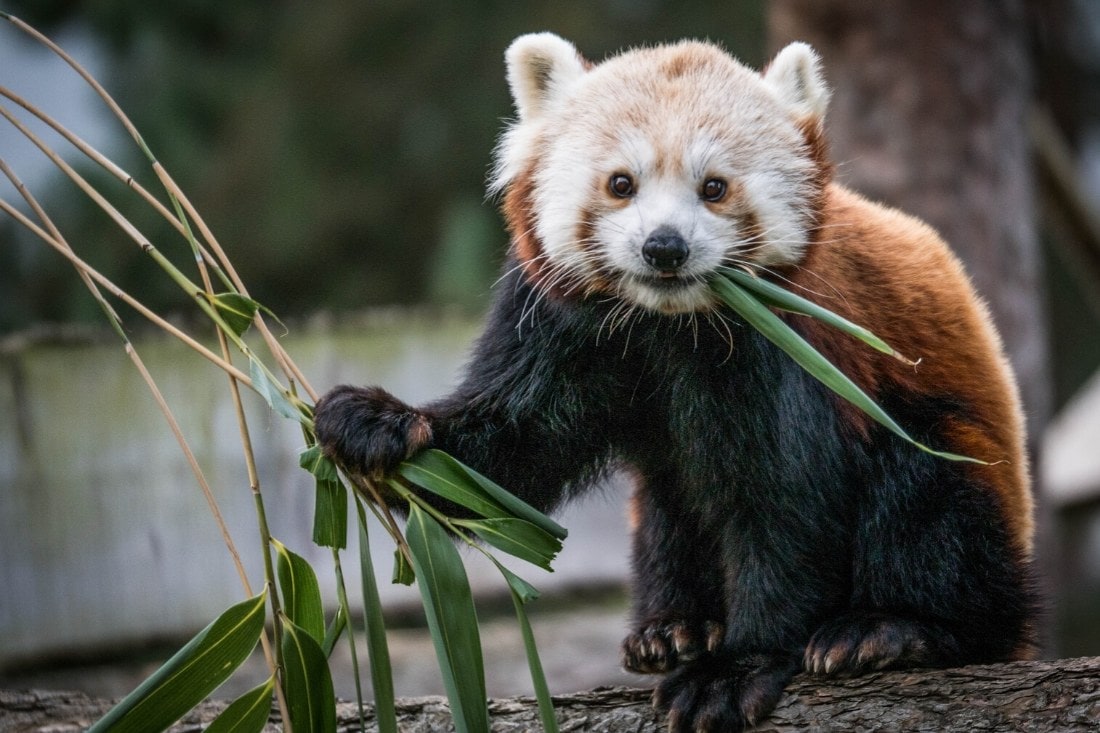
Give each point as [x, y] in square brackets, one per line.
[637, 177]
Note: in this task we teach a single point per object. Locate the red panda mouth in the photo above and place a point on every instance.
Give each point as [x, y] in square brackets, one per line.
[664, 293]
[665, 280]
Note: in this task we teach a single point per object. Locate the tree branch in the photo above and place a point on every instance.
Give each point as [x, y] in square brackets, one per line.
[1062, 695]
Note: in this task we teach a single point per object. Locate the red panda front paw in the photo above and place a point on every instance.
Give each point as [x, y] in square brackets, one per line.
[367, 430]
[666, 642]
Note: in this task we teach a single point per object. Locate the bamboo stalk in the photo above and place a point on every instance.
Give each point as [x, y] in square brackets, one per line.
[122, 295]
[276, 663]
[289, 367]
[94, 155]
[87, 77]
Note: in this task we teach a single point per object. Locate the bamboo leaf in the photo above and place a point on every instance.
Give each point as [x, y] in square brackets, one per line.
[272, 393]
[451, 474]
[301, 593]
[403, 573]
[426, 471]
[775, 330]
[316, 462]
[192, 674]
[522, 593]
[311, 701]
[330, 514]
[534, 663]
[517, 585]
[381, 673]
[773, 295]
[330, 510]
[236, 310]
[248, 713]
[452, 619]
[516, 537]
[333, 632]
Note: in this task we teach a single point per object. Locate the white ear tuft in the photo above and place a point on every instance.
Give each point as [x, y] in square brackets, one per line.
[795, 76]
[541, 66]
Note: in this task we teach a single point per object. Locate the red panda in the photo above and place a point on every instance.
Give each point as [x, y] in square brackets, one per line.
[776, 528]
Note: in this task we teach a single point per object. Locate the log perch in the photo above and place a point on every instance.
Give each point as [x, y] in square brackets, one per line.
[1061, 695]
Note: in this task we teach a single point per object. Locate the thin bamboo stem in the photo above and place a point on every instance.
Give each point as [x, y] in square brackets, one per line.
[275, 662]
[94, 155]
[122, 295]
[196, 469]
[289, 367]
[189, 287]
[87, 77]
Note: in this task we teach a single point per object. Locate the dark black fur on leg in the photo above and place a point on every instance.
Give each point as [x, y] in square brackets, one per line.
[723, 694]
[936, 580]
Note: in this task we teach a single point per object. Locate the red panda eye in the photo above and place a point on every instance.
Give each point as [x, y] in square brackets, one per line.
[621, 185]
[714, 189]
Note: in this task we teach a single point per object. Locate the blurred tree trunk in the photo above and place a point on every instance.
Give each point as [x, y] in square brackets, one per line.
[929, 111]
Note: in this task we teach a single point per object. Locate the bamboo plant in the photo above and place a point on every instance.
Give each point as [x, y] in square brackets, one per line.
[290, 602]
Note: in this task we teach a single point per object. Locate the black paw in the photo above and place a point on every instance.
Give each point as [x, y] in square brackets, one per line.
[664, 643]
[367, 430]
[720, 694]
[856, 643]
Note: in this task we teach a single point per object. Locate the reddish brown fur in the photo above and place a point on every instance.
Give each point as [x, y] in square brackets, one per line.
[894, 275]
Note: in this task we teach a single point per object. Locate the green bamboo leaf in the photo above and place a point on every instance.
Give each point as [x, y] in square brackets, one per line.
[333, 632]
[310, 699]
[236, 310]
[517, 585]
[272, 393]
[381, 673]
[426, 471]
[773, 295]
[316, 462]
[534, 663]
[452, 619]
[330, 514]
[516, 537]
[775, 330]
[452, 472]
[248, 713]
[301, 594]
[330, 511]
[522, 593]
[403, 573]
[192, 674]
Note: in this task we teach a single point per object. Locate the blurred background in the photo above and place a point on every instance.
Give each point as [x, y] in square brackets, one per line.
[339, 150]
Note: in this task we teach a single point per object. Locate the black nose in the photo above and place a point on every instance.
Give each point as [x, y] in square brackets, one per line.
[665, 250]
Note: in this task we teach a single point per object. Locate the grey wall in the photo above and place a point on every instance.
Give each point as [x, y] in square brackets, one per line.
[105, 538]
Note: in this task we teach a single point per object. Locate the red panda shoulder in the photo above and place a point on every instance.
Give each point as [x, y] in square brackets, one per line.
[893, 274]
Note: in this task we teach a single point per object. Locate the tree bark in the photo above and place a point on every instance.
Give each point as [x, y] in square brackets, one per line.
[1062, 696]
[929, 114]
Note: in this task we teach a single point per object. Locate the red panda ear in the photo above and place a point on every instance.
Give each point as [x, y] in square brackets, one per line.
[795, 77]
[541, 67]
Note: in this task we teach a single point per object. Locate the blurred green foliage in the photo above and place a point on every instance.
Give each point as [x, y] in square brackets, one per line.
[339, 150]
